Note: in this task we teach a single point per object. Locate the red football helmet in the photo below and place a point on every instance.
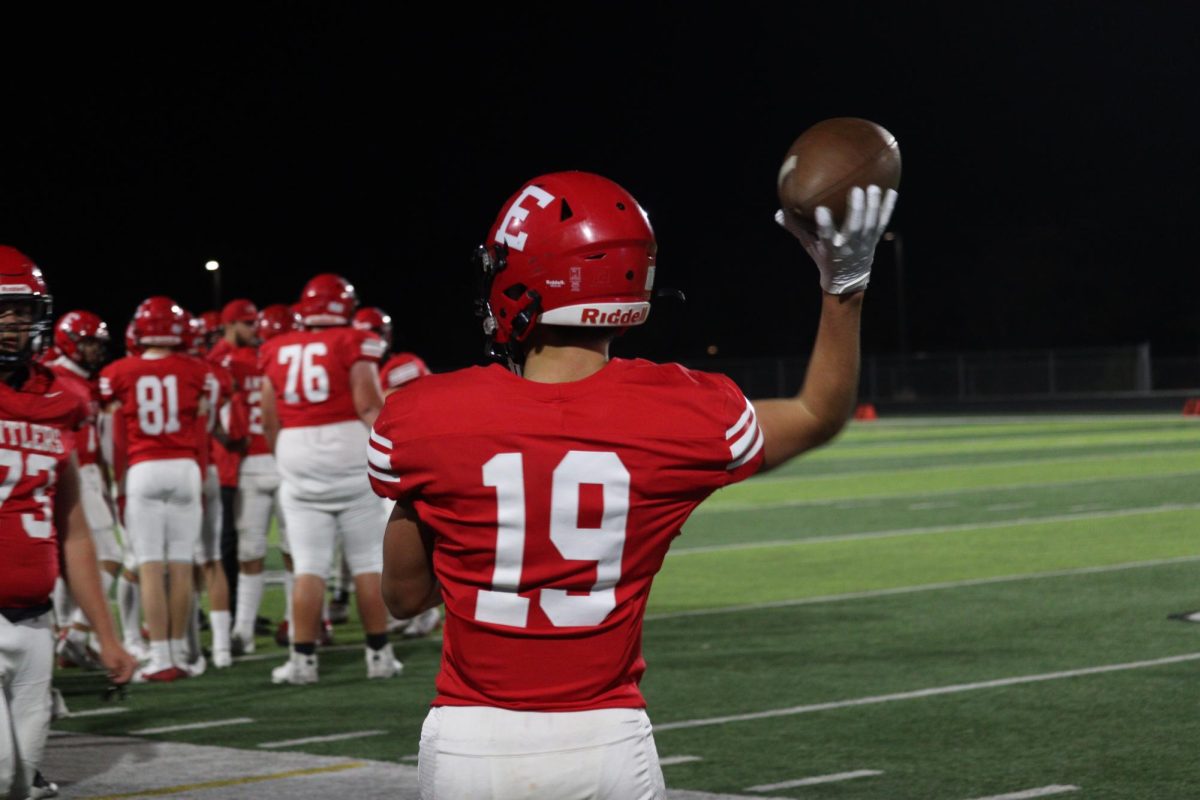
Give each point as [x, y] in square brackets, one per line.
[75, 326]
[276, 319]
[569, 248]
[327, 299]
[131, 345]
[373, 318]
[240, 310]
[21, 281]
[159, 322]
[195, 340]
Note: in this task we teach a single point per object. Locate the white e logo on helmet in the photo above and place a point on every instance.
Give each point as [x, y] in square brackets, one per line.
[518, 213]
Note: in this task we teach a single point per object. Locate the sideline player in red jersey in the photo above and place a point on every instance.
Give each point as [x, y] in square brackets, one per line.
[161, 394]
[210, 573]
[256, 480]
[40, 511]
[320, 397]
[237, 332]
[399, 368]
[81, 339]
[540, 502]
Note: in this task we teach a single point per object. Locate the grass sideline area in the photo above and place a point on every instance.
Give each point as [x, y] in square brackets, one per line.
[953, 609]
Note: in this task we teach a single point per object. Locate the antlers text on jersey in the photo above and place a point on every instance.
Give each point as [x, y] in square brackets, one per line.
[31, 436]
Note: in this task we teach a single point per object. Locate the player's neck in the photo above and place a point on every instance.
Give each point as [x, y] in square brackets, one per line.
[564, 363]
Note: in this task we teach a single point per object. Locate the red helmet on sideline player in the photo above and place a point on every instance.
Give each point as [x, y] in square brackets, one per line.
[131, 345]
[274, 320]
[373, 318]
[327, 300]
[75, 326]
[569, 248]
[159, 322]
[21, 280]
[196, 338]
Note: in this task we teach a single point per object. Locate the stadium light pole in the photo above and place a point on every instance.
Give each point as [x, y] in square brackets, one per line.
[901, 310]
[214, 269]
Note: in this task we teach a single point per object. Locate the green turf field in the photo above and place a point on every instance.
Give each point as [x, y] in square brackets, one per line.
[930, 601]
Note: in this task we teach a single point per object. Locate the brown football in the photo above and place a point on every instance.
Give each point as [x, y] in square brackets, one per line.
[831, 157]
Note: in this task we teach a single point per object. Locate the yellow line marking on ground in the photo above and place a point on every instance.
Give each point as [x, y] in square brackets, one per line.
[192, 787]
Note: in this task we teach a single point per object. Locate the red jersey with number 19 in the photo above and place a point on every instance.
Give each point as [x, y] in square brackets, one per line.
[161, 398]
[37, 430]
[553, 506]
[310, 373]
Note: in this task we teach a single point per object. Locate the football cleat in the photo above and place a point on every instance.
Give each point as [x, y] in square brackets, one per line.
[222, 659]
[382, 663]
[423, 624]
[297, 670]
[42, 788]
[154, 674]
[196, 667]
[398, 625]
[75, 653]
[240, 646]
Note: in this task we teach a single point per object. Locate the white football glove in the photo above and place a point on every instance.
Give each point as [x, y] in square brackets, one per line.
[844, 257]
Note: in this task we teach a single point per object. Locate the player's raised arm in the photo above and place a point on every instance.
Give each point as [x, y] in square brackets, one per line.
[793, 425]
[82, 573]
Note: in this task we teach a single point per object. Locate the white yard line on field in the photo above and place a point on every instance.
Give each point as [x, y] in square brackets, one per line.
[97, 712]
[192, 726]
[337, 737]
[814, 781]
[1028, 794]
[931, 692]
[924, 587]
[944, 467]
[670, 761]
[931, 529]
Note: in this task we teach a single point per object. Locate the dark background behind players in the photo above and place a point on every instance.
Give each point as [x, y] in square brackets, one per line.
[296, 139]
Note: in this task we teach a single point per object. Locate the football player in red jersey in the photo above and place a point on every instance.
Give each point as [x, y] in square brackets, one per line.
[320, 397]
[540, 502]
[81, 339]
[40, 512]
[399, 368]
[161, 395]
[208, 547]
[257, 479]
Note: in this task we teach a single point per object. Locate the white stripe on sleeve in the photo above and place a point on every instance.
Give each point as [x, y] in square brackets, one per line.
[378, 459]
[402, 375]
[383, 442]
[379, 476]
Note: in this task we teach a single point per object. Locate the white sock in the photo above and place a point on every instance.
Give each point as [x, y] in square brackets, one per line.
[178, 652]
[129, 606]
[220, 631]
[289, 581]
[249, 593]
[160, 654]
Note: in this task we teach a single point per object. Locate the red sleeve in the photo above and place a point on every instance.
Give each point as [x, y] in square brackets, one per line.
[394, 465]
[110, 382]
[362, 346]
[401, 369]
[741, 446]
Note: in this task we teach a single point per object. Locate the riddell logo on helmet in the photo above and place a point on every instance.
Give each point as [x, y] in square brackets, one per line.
[629, 316]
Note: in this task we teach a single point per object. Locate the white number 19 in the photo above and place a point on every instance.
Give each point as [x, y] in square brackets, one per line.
[605, 545]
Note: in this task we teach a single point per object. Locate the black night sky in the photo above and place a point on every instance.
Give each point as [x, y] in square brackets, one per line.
[1050, 158]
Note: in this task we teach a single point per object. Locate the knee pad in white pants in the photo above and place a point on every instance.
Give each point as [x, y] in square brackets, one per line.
[361, 525]
[26, 665]
[208, 544]
[255, 506]
[476, 751]
[163, 509]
